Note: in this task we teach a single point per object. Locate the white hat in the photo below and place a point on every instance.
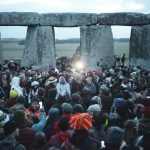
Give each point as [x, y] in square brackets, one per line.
[34, 83]
[3, 118]
[94, 108]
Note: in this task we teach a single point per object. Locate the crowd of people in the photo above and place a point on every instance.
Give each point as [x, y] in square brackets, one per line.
[68, 109]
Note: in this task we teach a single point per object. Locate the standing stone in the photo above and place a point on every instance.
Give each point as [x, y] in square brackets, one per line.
[30, 52]
[46, 46]
[140, 46]
[39, 47]
[97, 45]
[1, 54]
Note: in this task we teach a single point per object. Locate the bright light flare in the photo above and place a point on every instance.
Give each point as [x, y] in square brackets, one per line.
[79, 65]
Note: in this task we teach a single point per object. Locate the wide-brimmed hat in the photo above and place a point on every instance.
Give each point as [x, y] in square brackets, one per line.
[34, 83]
[52, 80]
[3, 118]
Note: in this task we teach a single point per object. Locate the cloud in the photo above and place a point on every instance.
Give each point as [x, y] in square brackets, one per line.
[95, 6]
[135, 6]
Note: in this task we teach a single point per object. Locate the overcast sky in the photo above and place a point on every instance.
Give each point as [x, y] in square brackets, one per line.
[90, 6]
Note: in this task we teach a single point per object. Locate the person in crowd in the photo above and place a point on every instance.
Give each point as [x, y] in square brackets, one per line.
[63, 88]
[119, 113]
[89, 90]
[106, 98]
[40, 142]
[10, 142]
[50, 85]
[144, 125]
[33, 112]
[123, 58]
[33, 91]
[137, 112]
[13, 98]
[19, 105]
[131, 136]
[67, 110]
[97, 100]
[78, 108]
[51, 99]
[15, 85]
[62, 135]
[75, 99]
[81, 138]
[114, 138]
[99, 121]
[52, 127]
[26, 133]
[4, 86]
[38, 126]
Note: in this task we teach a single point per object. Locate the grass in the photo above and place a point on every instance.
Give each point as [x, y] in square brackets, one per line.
[15, 51]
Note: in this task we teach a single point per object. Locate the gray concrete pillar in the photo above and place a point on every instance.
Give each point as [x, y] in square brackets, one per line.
[1, 53]
[139, 53]
[39, 47]
[97, 45]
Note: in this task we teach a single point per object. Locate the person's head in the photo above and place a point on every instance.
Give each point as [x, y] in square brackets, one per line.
[67, 108]
[53, 113]
[51, 81]
[92, 109]
[114, 136]
[137, 110]
[41, 92]
[104, 89]
[130, 131]
[76, 98]
[35, 106]
[19, 117]
[89, 80]
[21, 99]
[40, 140]
[35, 84]
[81, 121]
[78, 108]
[98, 100]
[10, 128]
[52, 93]
[63, 123]
[3, 76]
[62, 80]
[121, 106]
[126, 94]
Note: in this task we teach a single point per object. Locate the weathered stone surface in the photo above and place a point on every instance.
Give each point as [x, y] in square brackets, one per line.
[123, 19]
[68, 19]
[18, 18]
[1, 55]
[30, 52]
[46, 46]
[140, 46]
[97, 45]
[39, 47]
